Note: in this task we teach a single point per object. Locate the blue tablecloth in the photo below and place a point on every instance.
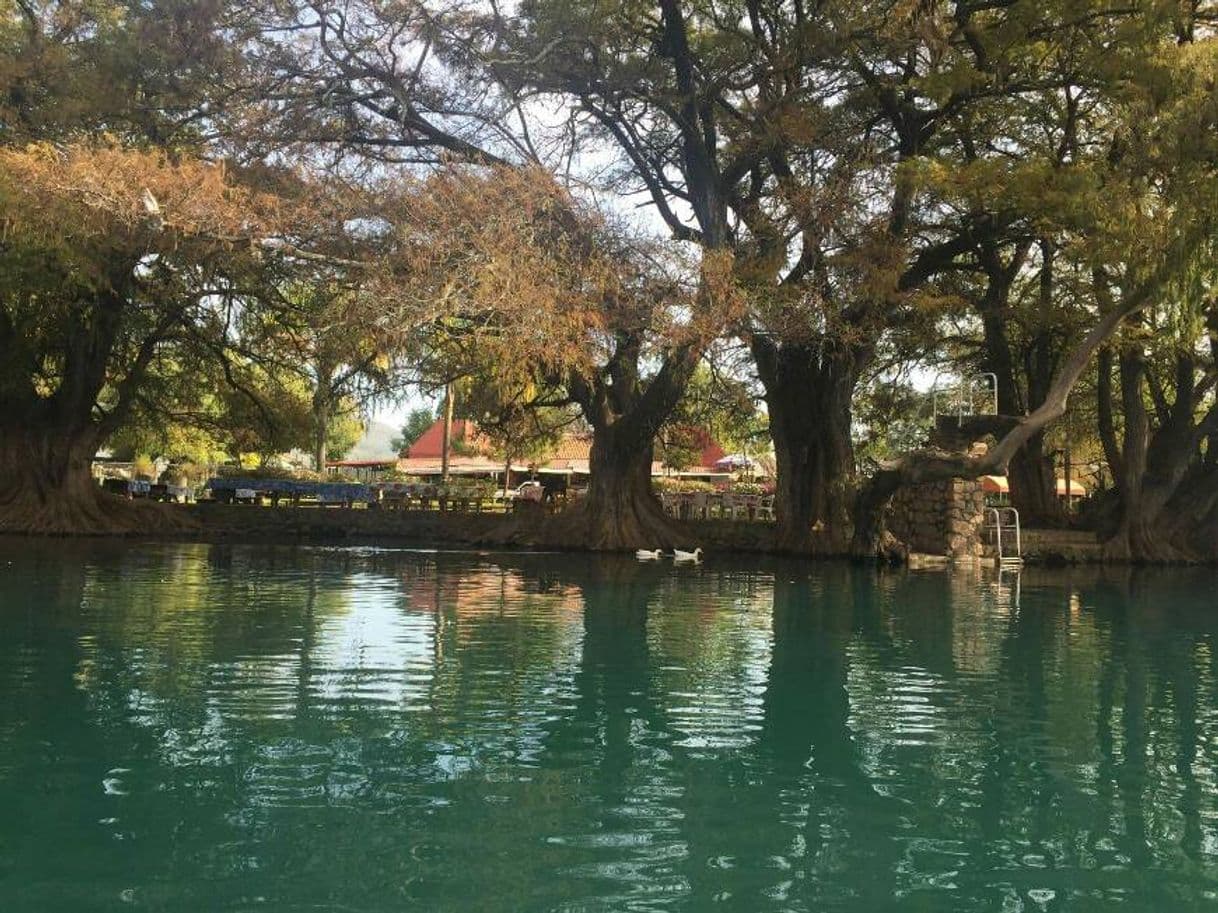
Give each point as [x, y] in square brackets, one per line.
[328, 491]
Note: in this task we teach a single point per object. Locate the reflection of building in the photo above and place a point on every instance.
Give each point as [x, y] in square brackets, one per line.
[472, 453]
[482, 590]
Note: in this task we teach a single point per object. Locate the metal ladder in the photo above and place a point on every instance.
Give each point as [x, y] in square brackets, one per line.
[961, 400]
[1009, 514]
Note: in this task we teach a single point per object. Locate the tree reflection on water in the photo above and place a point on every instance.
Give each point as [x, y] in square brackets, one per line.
[210, 725]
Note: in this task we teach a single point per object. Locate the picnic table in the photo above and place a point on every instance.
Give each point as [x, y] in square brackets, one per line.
[250, 490]
[128, 488]
[422, 495]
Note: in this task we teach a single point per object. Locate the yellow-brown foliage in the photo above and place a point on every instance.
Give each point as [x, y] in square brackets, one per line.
[509, 263]
[87, 196]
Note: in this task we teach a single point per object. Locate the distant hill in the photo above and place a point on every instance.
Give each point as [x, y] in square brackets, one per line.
[376, 444]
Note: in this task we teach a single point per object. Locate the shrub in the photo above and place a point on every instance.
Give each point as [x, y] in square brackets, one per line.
[749, 488]
[274, 472]
[682, 486]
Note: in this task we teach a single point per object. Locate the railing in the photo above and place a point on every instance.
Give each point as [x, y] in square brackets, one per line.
[1011, 516]
[961, 400]
[705, 505]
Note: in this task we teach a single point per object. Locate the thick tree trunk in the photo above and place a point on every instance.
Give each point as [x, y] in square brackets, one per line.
[46, 487]
[1166, 513]
[621, 510]
[322, 408]
[1185, 530]
[1191, 517]
[808, 396]
[1033, 485]
[1152, 470]
[1135, 540]
[870, 540]
[814, 457]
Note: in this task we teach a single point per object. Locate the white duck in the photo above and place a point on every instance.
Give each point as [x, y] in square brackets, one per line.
[682, 557]
[644, 555]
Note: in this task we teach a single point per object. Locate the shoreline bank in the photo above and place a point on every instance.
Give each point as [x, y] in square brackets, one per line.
[287, 525]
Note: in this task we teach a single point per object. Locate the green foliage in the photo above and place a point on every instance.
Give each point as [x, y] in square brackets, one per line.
[891, 418]
[680, 446]
[264, 414]
[396, 475]
[478, 489]
[681, 486]
[417, 422]
[719, 404]
[750, 488]
[143, 468]
[513, 417]
[289, 473]
[343, 432]
[157, 436]
[138, 70]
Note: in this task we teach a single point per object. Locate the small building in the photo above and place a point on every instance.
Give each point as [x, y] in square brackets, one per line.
[472, 453]
[362, 470]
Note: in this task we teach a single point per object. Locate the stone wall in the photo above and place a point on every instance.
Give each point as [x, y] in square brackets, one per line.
[940, 518]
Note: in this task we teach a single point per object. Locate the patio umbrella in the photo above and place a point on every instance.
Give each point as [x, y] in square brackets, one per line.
[1077, 490]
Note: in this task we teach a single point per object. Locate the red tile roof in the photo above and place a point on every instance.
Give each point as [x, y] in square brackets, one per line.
[430, 444]
[572, 447]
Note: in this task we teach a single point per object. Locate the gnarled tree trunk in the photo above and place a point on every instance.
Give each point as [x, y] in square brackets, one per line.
[1033, 484]
[48, 440]
[1166, 487]
[870, 539]
[47, 487]
[620, 510]
[808, 394]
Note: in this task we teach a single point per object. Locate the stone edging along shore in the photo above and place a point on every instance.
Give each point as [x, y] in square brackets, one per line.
[283, 523]
[286, 525]
[311, 524]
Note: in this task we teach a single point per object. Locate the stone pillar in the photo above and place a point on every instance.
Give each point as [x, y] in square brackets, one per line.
[940, 518]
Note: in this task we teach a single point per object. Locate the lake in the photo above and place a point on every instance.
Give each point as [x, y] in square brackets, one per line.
[229, 728]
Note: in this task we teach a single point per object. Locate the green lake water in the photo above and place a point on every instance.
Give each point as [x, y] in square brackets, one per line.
[231, 728]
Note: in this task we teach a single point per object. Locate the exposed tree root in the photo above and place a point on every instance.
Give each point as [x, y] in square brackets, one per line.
[600, 524]
[87, 513]
[621, 523]
[1133, 543]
